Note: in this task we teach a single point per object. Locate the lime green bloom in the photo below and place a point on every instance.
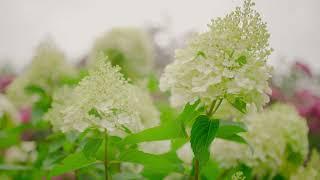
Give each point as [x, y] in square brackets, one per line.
[130, 48]
[277, 138]
[311, 171]
[104, 99]
[227, 60]
[46, 70]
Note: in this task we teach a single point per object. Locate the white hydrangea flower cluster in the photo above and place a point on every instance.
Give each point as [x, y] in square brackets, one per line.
[273, 136]
[46, 70]
[22, 153]
[128, 47]
[103, 99]
[229, 59]
[311, 171]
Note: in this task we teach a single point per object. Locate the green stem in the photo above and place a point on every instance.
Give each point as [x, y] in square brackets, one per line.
[106, 162]
[213, 108]
[196, 169]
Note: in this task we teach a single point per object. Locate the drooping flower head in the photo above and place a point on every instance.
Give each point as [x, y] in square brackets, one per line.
[103, 99]
[130, 48]
[46, 70]
[277, 138]
[227, 60]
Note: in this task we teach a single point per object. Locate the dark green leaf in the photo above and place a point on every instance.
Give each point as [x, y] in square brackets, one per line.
[94, 112]
[242, 60]
[91, 147]
[235, 138]
[202, 134]
[70, 163]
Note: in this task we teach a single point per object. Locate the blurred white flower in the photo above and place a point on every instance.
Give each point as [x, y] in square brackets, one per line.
[278, 138]
[46, 70]
[128, 47]
[228, 60]
[22, 153]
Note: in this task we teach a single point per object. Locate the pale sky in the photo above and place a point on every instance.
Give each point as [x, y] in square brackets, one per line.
[74, 24]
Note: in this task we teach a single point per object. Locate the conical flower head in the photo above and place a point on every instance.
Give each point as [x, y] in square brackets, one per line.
[103, 99]
[227, 60]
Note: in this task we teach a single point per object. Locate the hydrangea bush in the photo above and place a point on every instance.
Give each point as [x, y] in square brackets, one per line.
[204, 120]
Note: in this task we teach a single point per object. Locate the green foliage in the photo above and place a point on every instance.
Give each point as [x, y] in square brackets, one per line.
[158, 163]
[92, 146]
[72, 162]
[242, 60]
[238, 103]
[203, 132]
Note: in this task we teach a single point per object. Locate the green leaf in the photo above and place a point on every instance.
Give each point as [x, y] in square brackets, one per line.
[242, 60]
[203, 132]
[190, 112]
[91, 147]
[70, 163]
[9, 137]
[169, 130]
[238, 103]
[235, 138]
[229, 128]
[34, 89]
[211, 170]
[158, 163]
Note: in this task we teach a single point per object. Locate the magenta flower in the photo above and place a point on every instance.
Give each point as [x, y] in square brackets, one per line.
[5, 81]
[276, 94]
[304, 68]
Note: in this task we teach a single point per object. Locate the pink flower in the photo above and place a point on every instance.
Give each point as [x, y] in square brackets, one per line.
[304, 68]
[25, 114]
[5, 81]
[276, 94]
